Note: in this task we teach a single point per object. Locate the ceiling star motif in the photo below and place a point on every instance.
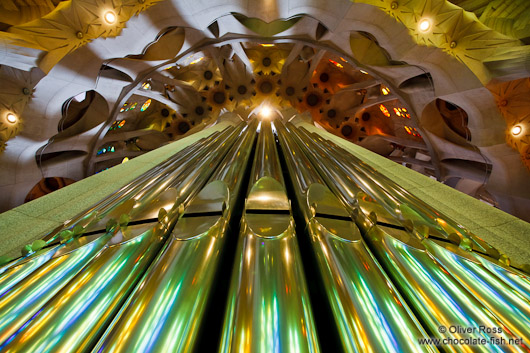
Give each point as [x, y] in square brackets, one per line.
[73, 24]
[239, 82]
[513, 100]
[203, 75]
[328, 75]
[266, 61]
[15, 93]
[218, 98]
[454, 30]
[266, 88]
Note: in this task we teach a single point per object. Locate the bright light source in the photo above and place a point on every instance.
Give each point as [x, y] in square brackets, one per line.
[424, 25]
[126, 159]
[385, 91]
[11, 118]
[516, 130]
[110, 17]
[364, 72]
[265, 112]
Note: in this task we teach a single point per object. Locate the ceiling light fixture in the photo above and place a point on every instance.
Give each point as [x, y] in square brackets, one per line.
[110, 17]
[424, 25]
[516, 130]
[11, 118]
[364, 72]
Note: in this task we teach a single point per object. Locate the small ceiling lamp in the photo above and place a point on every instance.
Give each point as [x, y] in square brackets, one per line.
[11, 118]
[110, 17]
[424, 25]
[516, 130]
[364, 72]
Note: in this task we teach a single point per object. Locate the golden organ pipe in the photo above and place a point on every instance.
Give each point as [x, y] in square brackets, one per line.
[25, 300]
[430, 290]
[368, 310]
[268, 303]
[140, 270]
[164, 312]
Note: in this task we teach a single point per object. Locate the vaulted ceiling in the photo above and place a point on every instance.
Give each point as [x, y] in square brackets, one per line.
[439, 86]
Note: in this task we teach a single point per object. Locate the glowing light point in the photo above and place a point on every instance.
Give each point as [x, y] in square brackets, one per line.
[516, 130]
[110, 17]
[364, 72]
[11, 118]
[424, 25]
[126, 159]
[265, 112]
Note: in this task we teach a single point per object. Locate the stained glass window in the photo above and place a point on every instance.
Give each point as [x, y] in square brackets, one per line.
[384, 111]
[145, 105]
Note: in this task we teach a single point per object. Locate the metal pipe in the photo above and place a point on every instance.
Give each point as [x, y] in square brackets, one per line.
[18, 270]
[414, 208]
[89, 217]
[268, 304]
[437, 298]
[368, 310]
[510, 307]
[25, 299]
[125, 251]
[165, 311]
[515, 279]
[136, 185]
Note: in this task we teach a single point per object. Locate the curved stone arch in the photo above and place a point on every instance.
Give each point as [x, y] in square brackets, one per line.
[485, 121]
[129, 90]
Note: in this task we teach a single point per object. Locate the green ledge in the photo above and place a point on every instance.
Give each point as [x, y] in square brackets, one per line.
[30, 221]
[501, 230]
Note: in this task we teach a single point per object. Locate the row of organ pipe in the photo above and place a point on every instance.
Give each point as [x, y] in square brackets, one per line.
[186, 257]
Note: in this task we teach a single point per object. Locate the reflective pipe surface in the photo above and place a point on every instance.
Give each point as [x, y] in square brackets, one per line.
[512, 308]
[268, 303]
[506, 304]
[136, 185]
[121, 205]
[412, 207]
[74, 319]
[436, 296]
[370, 313]
[515, 279]
[21, 269]
[93, 217]
[24, 300]
[392, 202]
[164, 313]
[144, 270]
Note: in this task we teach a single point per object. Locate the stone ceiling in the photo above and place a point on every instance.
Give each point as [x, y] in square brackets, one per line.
[439, 86]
